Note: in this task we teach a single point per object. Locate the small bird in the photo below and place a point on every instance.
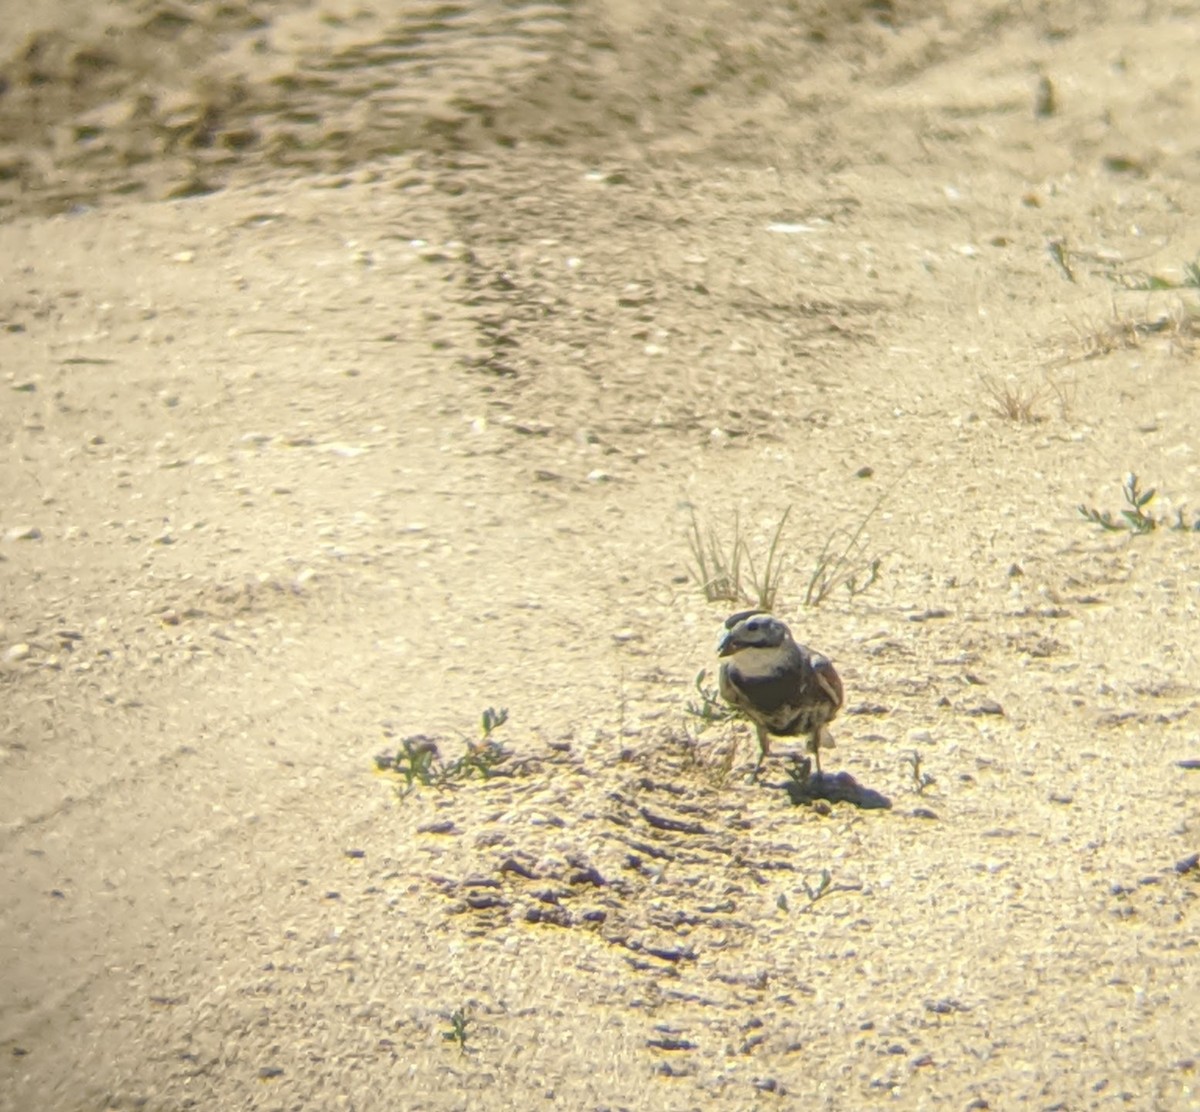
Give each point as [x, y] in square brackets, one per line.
[784, 688]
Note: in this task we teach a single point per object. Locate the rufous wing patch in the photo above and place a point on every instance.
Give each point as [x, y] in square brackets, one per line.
[829, 681]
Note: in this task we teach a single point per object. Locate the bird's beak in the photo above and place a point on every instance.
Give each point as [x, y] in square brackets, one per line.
[726, 646]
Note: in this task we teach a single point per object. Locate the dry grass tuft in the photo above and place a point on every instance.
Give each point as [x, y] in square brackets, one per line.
[1178, 326]
[726, 571]
[1014, 400]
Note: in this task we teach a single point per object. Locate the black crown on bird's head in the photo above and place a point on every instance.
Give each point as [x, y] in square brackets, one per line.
[752, 629]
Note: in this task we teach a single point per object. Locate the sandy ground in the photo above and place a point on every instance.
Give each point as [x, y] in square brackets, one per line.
[362, 369]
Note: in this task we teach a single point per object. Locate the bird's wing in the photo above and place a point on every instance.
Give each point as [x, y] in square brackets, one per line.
[828, 680]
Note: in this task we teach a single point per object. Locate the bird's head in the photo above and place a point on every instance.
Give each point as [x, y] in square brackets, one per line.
[751, 629]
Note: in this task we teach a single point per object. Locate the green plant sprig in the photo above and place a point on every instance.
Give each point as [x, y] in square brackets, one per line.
[1137, 519]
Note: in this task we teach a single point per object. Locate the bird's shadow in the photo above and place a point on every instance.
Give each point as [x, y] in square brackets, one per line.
[805, 786]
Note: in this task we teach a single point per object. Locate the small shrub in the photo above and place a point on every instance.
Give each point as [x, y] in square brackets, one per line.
[457, 1031]
[1137, 518]
[920, 780]
[711, 709]
[419, 763]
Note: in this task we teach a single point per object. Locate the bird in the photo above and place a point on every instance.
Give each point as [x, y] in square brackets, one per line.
[783, 687]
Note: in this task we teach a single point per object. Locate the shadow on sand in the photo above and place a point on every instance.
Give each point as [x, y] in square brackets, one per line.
[834, 787]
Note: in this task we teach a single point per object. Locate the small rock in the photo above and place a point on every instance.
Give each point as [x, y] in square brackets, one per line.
[988, 706]
[345, 451]
[19, 651]
[446, 826]
[929, 615]
[945, 1006]
[23, 533]
[1045, 103]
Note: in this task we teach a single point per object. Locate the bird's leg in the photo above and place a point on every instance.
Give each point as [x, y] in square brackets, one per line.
[764, 747]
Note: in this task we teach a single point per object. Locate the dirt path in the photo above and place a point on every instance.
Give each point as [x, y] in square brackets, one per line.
[335, 449]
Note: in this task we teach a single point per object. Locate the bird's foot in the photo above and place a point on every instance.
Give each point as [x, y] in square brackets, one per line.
[800, 770]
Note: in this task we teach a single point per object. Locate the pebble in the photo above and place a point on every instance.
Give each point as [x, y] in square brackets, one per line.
[23, 533]
[345, 451]
[19, 651]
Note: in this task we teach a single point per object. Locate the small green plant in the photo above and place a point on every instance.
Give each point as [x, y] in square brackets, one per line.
[821, 889]
[710, 708]
[492, 719]
[1144, 281]
[416, 761]
[816, 891]
[1137, 518]
[920, 780]
[726, 570]
[458, 1030]
[484, 759]
[419, 763]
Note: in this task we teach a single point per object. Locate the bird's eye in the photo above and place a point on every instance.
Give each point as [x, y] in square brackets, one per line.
[752, 627]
